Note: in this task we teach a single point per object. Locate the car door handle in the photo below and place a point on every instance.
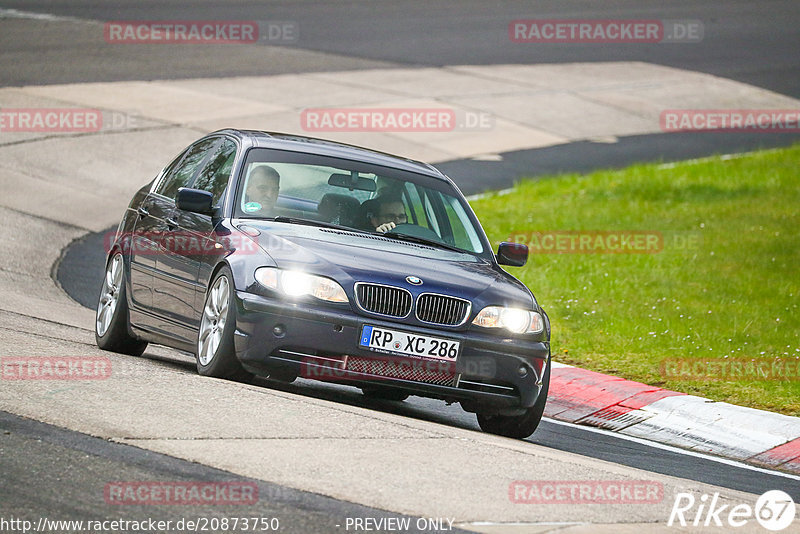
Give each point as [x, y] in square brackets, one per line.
[143, 212]
[171, 223]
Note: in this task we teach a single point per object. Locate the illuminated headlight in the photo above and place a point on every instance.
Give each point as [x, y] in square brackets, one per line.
[267, 277]
[514, 320]
[297, 283]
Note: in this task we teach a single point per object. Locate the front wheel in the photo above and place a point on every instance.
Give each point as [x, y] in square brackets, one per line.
[215, 351]
[112, 318]
[518, 426]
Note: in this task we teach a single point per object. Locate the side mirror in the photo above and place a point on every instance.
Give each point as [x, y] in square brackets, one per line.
[195, 200]
[514, 254]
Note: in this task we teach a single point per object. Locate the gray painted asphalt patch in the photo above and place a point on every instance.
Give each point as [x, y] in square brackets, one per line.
[61, 475]
[79, 271]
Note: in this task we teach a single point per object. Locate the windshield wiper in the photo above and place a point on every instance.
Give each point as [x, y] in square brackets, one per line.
[421, 241]
[307, 222]
[312, 222]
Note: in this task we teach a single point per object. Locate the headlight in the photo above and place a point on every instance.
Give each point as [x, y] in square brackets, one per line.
[297, 283]
[267, 277]
[515, 320]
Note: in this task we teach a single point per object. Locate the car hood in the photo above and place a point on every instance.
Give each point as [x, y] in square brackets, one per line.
[351, 257]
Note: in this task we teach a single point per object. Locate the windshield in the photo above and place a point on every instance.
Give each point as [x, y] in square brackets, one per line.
[355, 195]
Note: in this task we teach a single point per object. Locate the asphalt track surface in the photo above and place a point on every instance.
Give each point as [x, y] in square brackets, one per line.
[755, 43]
[751, 42]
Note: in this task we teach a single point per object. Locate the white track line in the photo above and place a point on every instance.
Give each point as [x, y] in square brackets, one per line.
[17, 14]
[723, 157]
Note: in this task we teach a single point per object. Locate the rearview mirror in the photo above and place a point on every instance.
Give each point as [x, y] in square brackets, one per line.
[195, 200]
[514, 254]
[352, 181]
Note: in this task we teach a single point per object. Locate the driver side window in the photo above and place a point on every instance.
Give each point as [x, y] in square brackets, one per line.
[216, 173]
[182, 175]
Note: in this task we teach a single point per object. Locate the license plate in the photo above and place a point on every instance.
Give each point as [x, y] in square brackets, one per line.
[406, 343]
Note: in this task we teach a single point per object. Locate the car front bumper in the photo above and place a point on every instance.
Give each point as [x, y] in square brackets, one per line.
[491, 372]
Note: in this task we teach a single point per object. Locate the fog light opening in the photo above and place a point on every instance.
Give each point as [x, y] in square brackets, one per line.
[522, 371]
[279, 330]
[338, 328]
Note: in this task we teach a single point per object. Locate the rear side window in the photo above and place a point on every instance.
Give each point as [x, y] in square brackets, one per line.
[181, 175]
[214, 176]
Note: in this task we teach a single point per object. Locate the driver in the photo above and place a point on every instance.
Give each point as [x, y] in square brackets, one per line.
[262, 189]
[387, 211]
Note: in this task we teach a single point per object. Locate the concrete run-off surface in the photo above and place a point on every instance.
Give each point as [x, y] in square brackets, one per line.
[498, 108]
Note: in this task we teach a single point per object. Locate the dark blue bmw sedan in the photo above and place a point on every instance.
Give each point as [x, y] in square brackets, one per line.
[287, 256]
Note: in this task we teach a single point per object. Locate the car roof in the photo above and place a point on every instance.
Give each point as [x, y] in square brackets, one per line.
[324, 147]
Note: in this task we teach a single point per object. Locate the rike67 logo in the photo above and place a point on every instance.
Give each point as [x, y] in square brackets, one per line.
[774, 510]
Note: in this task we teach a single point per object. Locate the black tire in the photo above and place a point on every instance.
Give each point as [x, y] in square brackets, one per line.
[390, 394]
[220, 362]
[117, 337]
[518, 426]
